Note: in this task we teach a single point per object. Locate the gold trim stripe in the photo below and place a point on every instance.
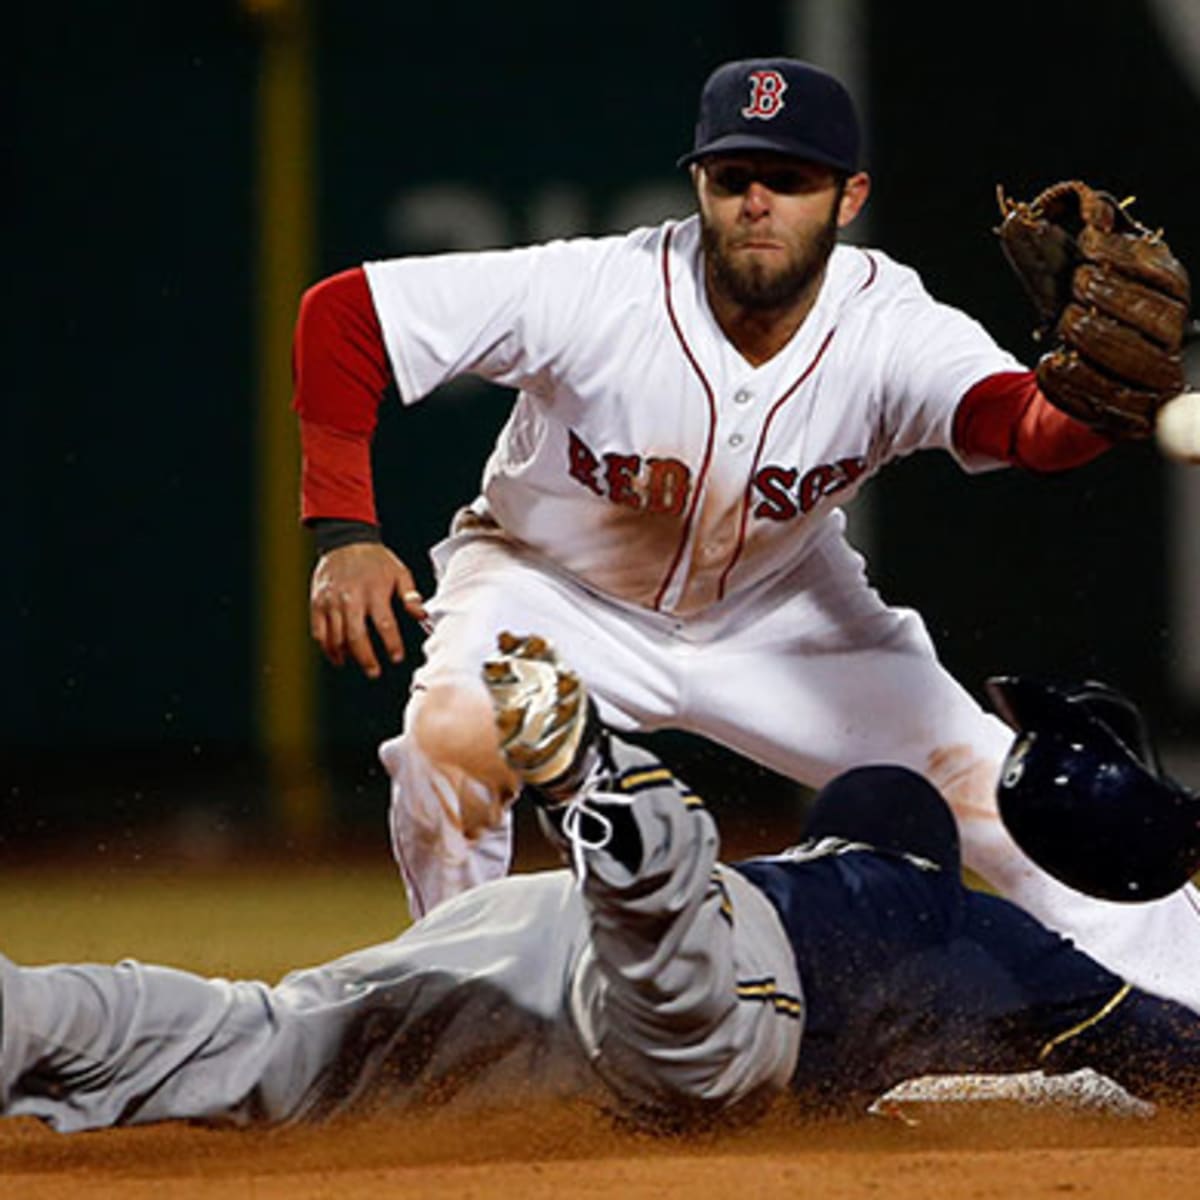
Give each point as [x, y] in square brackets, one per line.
[764, 991]
[1076, 1030]
[718, 882]
[641, 780]
[635, 781]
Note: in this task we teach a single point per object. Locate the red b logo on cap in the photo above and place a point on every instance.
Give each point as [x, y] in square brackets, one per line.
[766, 94]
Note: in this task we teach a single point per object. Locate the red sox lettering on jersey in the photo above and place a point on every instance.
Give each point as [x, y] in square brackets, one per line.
[663, 485]
[644, 456]
[766, 94]
[655, 485]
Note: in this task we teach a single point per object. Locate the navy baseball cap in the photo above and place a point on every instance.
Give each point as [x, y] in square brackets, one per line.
[778, 104]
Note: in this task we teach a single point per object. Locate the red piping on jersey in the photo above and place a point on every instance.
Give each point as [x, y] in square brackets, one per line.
[762, 439]
[712, 421]
[873, 271]
[870, 279]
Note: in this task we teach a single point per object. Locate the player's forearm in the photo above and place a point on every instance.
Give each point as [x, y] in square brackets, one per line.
[1006, 417]
[340, 373]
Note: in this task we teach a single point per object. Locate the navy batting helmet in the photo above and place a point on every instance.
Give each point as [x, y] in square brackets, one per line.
[890, 808]
[1083, 794]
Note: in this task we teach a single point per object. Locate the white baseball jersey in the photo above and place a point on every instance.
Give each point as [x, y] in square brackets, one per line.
[647, 458]
[644, 454]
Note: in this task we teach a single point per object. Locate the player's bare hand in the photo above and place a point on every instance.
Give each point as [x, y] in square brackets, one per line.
[353, 590]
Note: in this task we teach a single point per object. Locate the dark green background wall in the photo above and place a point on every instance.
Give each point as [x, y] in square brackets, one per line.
[127, 609]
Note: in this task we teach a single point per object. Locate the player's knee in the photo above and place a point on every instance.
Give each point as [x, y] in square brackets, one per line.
[966, 778]
[446, 766]
[453, 727]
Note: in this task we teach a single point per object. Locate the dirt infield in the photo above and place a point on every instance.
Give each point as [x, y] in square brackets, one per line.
[976, 1151]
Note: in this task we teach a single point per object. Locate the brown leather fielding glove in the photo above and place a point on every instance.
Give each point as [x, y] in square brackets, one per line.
[1113, 303]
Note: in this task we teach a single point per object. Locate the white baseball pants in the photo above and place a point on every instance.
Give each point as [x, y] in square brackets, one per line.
[809, 675]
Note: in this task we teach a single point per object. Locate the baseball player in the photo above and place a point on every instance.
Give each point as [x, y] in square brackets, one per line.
[651, 979]
[696, 402]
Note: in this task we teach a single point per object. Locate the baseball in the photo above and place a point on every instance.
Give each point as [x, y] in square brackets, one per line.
[1178, 428]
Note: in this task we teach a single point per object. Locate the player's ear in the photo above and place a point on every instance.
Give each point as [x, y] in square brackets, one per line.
[854, 196]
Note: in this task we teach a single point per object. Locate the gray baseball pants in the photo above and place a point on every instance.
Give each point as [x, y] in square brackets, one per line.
[663, 991]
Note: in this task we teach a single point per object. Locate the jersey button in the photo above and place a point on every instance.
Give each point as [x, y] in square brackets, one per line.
[743, 396]
[736, 439]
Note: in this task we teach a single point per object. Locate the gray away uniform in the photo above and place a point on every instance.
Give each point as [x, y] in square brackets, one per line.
[666, 992]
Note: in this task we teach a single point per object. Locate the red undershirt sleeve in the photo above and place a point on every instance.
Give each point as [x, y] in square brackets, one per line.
[1006, 417]
[340, 373]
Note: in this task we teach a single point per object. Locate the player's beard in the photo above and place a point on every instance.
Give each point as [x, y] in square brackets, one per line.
[754, 286]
